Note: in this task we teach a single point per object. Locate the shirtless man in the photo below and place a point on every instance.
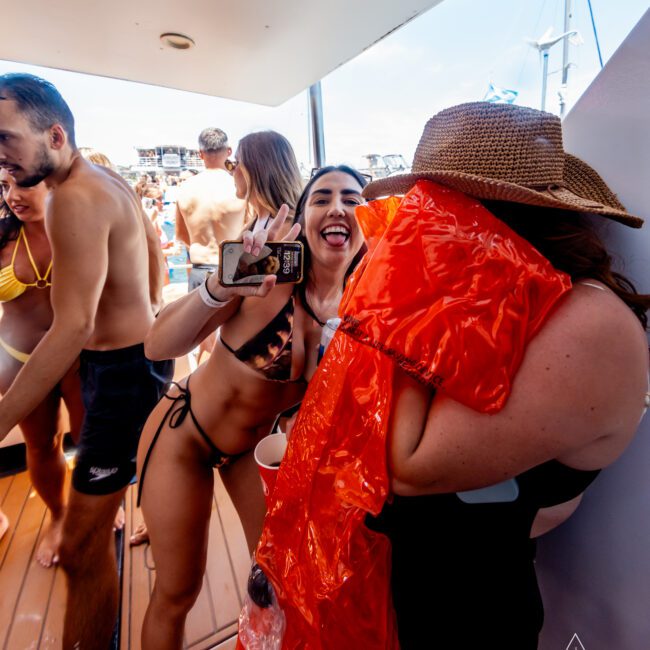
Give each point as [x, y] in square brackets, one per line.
[107, 274]
[207, 209]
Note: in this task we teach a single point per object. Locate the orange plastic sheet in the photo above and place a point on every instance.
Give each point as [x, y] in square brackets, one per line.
[450, 294]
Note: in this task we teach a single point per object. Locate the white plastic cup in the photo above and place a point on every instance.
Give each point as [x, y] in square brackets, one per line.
[268, 456]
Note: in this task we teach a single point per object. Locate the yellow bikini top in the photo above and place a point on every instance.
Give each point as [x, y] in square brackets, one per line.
[10, 286]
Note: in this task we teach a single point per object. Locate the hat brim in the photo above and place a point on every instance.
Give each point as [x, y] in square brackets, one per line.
[497, 190]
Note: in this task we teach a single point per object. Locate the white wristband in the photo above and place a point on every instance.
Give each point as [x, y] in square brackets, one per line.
[208, 300]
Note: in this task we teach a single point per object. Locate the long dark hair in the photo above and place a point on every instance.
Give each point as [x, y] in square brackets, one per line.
[300, 218]
[9, 225]
[572, 245]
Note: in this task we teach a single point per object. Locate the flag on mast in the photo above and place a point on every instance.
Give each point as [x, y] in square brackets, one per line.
[498, 95]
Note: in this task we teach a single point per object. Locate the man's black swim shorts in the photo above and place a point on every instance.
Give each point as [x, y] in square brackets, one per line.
[119, 389]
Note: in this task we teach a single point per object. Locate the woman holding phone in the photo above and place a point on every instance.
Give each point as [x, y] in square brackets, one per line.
[267, 351]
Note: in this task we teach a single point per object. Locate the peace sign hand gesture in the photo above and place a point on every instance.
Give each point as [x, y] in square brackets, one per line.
[253, 244]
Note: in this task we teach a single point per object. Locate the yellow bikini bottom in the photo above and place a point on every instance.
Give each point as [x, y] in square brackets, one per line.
[12, 352]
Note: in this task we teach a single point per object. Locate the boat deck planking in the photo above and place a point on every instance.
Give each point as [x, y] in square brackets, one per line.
[32, 599]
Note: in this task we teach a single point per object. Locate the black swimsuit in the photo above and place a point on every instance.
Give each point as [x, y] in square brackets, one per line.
[269, 351]
[463, 574]
[180, 406]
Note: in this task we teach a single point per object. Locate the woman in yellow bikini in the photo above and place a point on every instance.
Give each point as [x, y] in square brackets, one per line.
[25, 316]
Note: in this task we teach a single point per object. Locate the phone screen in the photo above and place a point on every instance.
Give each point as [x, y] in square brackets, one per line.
[283, 259]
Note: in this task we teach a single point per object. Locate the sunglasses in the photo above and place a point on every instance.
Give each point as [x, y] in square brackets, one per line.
[315, 170]
[231, 165]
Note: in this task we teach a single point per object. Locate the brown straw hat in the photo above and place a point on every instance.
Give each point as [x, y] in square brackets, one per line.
[505, 153]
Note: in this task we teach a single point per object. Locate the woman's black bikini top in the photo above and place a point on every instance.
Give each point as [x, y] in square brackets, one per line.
[269, 351]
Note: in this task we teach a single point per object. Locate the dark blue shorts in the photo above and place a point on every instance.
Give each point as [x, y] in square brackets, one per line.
[119, 390]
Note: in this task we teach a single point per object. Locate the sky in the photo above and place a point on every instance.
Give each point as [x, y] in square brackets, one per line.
[377, 102]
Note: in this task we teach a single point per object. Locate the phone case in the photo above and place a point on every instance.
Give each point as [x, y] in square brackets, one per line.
[281, 258]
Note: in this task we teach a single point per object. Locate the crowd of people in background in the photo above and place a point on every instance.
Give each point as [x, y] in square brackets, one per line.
[158, 196]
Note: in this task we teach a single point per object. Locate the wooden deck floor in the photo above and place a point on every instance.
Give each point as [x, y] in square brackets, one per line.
[32, 598]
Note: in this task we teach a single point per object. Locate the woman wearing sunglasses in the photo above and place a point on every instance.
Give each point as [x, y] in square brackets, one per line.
[266, 175]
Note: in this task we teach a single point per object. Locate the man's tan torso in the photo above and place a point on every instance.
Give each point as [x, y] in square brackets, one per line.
[124, 314]
[212, 213]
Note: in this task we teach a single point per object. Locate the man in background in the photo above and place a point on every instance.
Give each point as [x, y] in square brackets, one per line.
[207, 209]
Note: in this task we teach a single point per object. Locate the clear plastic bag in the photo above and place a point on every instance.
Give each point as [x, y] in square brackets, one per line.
[261, 621]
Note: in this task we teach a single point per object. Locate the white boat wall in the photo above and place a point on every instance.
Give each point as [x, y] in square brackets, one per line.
[594, 570]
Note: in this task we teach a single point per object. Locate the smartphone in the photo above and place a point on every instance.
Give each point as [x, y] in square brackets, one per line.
[283, 259]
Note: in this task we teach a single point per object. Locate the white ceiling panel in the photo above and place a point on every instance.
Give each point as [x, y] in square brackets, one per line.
[262, 51]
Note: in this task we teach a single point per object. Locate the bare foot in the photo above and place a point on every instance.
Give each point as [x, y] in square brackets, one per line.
[48, 551]
[120, 518]
[4, 524]
[140, 536]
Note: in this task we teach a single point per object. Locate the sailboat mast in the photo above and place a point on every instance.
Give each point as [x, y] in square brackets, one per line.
[565, 56]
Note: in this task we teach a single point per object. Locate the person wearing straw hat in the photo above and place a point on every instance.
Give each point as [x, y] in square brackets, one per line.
[472, 489]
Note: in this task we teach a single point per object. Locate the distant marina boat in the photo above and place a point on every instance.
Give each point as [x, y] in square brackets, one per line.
[380, 166]
[167, 159]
